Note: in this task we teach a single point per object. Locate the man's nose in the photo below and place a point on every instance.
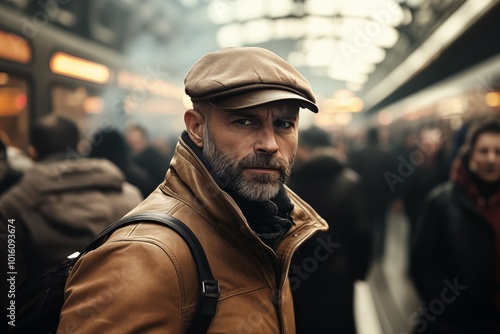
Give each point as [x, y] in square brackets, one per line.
[266, 141]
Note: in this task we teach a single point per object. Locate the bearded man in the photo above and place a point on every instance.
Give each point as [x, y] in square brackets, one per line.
[226, 182]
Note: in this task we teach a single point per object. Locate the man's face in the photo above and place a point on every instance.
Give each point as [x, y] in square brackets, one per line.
[136, 141]
[252, 150]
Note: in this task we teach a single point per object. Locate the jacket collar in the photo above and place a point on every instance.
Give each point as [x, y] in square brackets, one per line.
[189, 180]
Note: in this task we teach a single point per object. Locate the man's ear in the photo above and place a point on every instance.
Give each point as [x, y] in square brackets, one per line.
[194, 126]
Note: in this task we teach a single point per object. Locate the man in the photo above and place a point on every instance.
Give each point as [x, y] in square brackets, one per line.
[62, 202]
[226, 182]
[321, 177]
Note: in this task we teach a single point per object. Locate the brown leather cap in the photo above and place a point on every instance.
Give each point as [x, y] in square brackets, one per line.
[242, 77]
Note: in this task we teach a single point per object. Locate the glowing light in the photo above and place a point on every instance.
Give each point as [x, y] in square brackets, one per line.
[343, 101]
[344, 118]
[79, 68]
[4, 78]
[385, 117]
[14, 48]
[12, 101]
[492, 99]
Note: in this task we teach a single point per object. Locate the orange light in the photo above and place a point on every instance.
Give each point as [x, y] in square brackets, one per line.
[12, 101]
[14, 48]
[343, 101]
[64, 64]
[492, 99]
[4, 78]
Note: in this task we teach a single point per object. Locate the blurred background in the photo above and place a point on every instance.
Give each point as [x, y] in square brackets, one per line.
[120, 60]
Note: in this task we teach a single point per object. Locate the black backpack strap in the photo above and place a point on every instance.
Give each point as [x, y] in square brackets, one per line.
[209, 286]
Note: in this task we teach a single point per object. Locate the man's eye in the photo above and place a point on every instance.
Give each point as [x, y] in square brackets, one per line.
[284, 124]
[243, 122]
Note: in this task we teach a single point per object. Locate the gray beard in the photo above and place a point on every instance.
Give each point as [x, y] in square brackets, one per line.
[229, 171]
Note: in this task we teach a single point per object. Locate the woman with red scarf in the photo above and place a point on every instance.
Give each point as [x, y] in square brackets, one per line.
[455, 254]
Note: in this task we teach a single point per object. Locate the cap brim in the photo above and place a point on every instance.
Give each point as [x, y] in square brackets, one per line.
[258, 97]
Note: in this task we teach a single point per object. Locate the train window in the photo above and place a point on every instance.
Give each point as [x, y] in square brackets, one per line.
[78, 103]
[14, 48]
[13, 110]
[64, 64]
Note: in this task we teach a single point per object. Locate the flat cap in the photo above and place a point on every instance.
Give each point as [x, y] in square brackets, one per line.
[242, 77]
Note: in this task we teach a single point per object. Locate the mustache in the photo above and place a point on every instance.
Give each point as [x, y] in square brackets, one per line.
[264, 161]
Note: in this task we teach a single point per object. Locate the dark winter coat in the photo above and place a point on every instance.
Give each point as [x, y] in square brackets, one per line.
[323, 282]
[453, 265]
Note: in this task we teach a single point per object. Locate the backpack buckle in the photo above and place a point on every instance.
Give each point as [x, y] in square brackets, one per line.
[210, 288]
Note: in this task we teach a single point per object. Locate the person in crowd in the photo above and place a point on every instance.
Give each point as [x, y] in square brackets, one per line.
[8, 175]
[372, 162]
[323, 292]
[63, 201]
[226, 182]
[427, 167]
[455, 254]
[145, 154]
[110, 144]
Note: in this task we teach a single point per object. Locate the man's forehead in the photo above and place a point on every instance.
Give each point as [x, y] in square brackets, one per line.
[276, 108]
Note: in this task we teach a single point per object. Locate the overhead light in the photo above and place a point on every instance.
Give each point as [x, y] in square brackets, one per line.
[342, 101]
[79, 68]
[347, 75]
[346, 39]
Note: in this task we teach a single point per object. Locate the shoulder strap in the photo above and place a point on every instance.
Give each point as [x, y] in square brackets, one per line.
[209, 286]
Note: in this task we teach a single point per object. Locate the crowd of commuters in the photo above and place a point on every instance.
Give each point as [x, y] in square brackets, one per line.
[61, 203]
[289, 222]
[110, 144]
[372, 161]
[324, 290]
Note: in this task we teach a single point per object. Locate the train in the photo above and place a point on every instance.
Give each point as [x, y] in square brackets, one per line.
[44, 69]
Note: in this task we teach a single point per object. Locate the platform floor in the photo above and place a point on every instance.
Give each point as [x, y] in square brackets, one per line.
[385, 302]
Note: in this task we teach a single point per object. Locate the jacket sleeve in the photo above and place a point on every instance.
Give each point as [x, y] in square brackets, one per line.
[123, 287]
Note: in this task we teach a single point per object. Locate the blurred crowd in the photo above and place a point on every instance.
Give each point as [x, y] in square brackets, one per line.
[447, 185]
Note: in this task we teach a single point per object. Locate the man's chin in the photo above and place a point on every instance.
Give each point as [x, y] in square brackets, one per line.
[257, 191]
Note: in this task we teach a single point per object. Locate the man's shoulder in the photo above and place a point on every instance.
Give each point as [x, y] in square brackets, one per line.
[145, 231]
[149, 242]
[156, 202]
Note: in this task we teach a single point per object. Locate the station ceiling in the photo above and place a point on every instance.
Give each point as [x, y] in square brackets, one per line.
[373, 48]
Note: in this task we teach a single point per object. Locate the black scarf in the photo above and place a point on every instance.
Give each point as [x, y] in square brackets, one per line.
[270, 220]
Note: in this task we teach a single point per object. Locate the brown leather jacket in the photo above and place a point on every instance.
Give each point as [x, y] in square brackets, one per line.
[143, 279]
